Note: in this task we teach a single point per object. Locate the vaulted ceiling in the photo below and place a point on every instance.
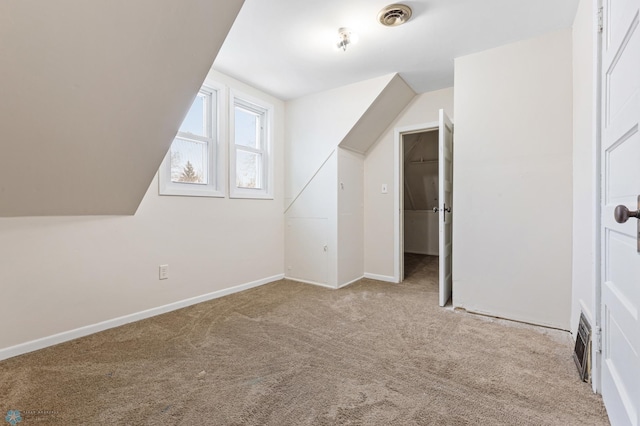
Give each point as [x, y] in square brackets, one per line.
[93, 92]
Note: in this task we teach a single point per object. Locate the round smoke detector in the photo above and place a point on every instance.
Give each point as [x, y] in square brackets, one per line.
[394, 15]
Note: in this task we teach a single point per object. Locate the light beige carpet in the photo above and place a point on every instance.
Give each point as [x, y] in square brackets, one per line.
[294, 354]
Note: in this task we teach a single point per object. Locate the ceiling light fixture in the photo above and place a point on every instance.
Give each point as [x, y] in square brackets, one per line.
[345, 38]
[394, 15]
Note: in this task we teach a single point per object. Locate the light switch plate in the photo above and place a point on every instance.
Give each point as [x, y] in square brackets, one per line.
[164, 272]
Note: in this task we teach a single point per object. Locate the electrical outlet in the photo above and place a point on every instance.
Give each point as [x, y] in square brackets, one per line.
[384, 188]
[164, 272]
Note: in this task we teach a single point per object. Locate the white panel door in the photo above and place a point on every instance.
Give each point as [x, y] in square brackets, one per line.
[620, 186]
[445, 197]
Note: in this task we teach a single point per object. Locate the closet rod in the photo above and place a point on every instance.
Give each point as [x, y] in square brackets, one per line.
[423, 161]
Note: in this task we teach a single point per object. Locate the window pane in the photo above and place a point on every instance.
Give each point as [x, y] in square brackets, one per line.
[247, 128]
[196, 121]
[248, 170]
[189, 161]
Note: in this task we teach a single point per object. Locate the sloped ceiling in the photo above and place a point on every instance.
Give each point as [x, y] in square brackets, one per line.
[351, 116]
[380, 114]
[92, 94]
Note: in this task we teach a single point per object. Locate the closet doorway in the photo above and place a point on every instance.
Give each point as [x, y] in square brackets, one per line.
[424, 188]
[420, 186]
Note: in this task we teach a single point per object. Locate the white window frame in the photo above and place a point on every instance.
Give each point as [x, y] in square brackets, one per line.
[261, 107]
[215, 150]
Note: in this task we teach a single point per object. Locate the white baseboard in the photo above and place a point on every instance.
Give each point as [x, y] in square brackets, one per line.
[65, 336]
[321, 284]
[377, 277]
[300, 280]
[350, 282]
[511, 317]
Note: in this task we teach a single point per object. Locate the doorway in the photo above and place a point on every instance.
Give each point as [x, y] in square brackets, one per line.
[420, 206]
[418, 137]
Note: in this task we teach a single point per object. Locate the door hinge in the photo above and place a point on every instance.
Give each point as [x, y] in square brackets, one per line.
[598, 339]
[600, 20]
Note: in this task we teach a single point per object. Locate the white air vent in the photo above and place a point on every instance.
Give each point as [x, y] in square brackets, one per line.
[394, 15]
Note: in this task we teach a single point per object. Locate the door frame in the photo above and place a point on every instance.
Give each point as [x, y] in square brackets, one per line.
[596, 353]
[398, 199]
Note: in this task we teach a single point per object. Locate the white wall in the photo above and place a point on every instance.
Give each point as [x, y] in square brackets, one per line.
[68, 272]
[512, 220]
[585, 198]
[317, 123]
[316, 126]
[312, 224]
[350, 216]
[421, 232]
[379, 169]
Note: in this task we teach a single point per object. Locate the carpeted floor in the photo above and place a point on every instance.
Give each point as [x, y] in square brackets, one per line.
[294, 354]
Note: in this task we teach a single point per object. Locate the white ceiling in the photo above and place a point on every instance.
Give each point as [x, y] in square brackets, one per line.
[286, 47]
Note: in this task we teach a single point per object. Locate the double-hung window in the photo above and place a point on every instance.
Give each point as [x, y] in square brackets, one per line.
[192, 166]
[251, 167]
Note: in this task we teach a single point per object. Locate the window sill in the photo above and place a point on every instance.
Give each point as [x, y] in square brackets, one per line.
[250, 195]
[189, 191]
